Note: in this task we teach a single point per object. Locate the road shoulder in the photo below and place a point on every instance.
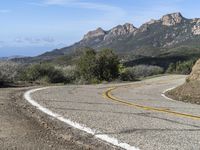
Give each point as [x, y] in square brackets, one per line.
[24, 127]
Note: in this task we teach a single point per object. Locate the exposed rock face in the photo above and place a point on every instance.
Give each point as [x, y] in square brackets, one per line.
[143, 28]
[129, 28]
[172, 19]
[94, 34]
[196, 28]
[195, 74]
[120, 30]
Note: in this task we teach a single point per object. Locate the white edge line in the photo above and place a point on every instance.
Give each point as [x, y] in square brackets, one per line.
[165, 91]
[95, 133]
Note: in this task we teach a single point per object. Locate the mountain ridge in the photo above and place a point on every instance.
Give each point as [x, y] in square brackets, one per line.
[153, 38]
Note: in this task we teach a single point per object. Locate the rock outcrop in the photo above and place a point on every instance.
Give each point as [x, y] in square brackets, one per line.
[120, 30]
[99, 32]
[196, 27]
[172, 19]
[195, 74]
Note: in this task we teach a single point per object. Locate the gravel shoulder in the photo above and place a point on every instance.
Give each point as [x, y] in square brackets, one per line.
[23, 127]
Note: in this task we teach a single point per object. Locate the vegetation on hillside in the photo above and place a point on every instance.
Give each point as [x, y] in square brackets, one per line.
[179, 67]
[8, 72]
[139, 71]
[91, 66]
[43, 73]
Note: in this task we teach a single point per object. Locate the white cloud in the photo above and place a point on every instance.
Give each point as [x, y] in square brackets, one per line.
[34, 41]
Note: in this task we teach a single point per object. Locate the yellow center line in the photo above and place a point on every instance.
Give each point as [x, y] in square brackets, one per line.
[108, 94]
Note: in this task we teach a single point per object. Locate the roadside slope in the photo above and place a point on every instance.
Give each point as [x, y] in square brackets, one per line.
[190, 90]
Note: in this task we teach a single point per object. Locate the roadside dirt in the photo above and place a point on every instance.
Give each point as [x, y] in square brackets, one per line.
[23, 127]
[188, 92]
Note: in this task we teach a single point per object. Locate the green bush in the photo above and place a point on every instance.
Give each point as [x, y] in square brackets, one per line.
[184, 67]
[102, 66]
[128, 74]
[86, 65]
[107, 65]
[42, 72]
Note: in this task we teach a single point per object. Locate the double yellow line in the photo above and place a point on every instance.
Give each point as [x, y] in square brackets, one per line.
[108, 94]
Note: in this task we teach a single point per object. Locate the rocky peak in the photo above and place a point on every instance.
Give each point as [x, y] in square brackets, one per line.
[99, 32]
[120, 30]
[123, 29]
[196, 27]
[129, 28]
[172, 19]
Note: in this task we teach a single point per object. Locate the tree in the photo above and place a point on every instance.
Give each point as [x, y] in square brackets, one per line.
[107, 65]
[86, 65]
[98, 66]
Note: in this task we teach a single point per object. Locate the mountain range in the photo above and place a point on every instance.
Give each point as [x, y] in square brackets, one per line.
[172, 35]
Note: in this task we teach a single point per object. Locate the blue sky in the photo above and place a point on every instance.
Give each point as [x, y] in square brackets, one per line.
[31, 27]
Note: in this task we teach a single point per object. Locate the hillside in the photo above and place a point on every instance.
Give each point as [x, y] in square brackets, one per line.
[173, 37]
[195, 74]
[190, 90]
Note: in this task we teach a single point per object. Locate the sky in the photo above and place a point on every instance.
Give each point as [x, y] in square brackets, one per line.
[31, 27]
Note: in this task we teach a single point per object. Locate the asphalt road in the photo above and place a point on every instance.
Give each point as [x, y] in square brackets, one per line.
[133, 113]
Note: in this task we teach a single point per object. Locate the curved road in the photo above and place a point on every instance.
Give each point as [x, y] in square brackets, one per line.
[133, 113]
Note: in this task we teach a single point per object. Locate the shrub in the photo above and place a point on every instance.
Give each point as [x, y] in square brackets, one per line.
[107, 65]
[86, 65]
[42, 72]
[140, 71]
[96, 67]
[184, 67]
[144, 70]
[8, 72]
[70, 73]
[128, 74]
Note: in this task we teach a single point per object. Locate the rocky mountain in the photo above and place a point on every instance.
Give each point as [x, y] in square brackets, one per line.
[172, 34]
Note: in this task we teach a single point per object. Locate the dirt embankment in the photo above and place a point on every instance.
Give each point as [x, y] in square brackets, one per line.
[190, 90]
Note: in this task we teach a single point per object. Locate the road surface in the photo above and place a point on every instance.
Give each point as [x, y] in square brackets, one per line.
[135, 114]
